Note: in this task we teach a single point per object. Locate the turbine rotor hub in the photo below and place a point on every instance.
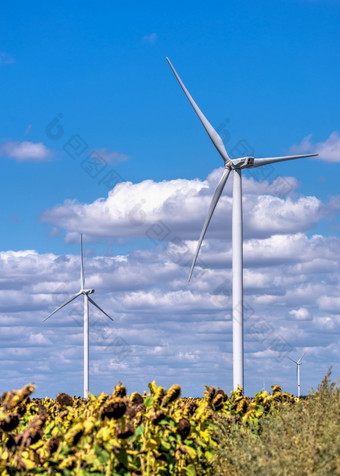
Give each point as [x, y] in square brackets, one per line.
[88, 291]
[242, 163]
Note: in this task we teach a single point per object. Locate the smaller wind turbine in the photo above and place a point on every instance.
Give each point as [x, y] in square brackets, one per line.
[85, 293]
[298, 363]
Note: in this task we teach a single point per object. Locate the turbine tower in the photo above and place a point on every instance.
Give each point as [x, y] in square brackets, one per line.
[85, 293]
[298, 363]
[237, 227]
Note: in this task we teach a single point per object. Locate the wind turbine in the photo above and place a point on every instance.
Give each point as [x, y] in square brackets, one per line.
[85, 293]
[298, 363]
[237, 227]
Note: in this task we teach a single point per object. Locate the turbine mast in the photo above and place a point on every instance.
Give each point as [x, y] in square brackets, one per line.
[237, 258]
[86, 345]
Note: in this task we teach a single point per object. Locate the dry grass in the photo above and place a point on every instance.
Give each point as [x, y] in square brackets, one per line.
[301, 439]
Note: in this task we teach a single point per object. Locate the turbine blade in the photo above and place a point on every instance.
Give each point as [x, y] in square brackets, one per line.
[215, 199]
[95, 304]
[300, 359]
[63, 305]
[292, 359]
[272, 160]
[214, 136]
[82, 277]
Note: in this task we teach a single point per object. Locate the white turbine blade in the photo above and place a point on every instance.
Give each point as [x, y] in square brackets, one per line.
[292, 359]
[300, 359]
[82, 278]
[63, 305]
[95, 304]
[272, 160]
[214, 136]
[215, 199]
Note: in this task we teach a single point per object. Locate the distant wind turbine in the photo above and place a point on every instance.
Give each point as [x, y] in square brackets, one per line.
[237, 227]
[85, 293]
[298, 363]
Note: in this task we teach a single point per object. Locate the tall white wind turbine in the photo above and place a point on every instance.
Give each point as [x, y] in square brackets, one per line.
[237, 227]
[85, 293]
[298, 364]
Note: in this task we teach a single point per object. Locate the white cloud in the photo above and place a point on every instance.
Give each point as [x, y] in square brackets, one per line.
[330, 303]
[329, 150]
[38, 339]
[163, 327]
[301, 314]
[26, 151]
[107, 156]
[176, 209]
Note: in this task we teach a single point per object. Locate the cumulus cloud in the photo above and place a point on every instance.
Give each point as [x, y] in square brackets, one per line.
[163, 327]
[176, 209]
[38, 339]
[329, 150]
[301, 314]
[26, 151]
[108, 156]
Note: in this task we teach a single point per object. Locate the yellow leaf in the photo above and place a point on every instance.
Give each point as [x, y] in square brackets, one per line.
[151, 444]
[191, 452]
[28, 463]
[205, 435]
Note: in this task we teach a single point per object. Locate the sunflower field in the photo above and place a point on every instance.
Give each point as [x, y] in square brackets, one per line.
[158, 433]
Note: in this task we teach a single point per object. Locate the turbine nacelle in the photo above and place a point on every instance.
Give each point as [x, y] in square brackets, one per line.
[242, 163]
[87, 291]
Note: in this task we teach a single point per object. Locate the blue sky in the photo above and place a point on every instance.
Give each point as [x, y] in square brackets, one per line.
[90, 79]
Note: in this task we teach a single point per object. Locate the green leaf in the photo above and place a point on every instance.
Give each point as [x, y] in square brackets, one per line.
[138, 431]
[36, 471]
[103, 455]
[50, 427]
[209, 455]
[189, 470]
[148, 402]
[122, 457]
[171, 422]
[165, 445]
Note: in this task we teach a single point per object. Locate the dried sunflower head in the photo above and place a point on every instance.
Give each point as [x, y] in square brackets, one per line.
[136, 398]
[126, 432]
[15, 398]
[184, 428]
[64, 400]
[223, 393]
[210, 394]
[9, 422]
[113, 409]
[157, 417]
[172, 394]
[276, 389]
[191, 407]
[242, 406]
[119, 390]
[218, 402]
[53, 443]
[74, 434]
[159, 395]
